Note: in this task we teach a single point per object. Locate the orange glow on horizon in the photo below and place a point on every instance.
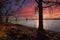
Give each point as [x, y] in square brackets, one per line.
[55, 14]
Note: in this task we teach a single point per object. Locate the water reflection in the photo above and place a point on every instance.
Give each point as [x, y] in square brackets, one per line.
[52, 25]
[29, 23]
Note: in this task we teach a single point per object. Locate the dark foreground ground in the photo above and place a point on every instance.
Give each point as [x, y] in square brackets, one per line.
[10, 31]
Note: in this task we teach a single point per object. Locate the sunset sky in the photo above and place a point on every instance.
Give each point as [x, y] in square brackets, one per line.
[55, 14]
[54, 8]
[28, 9]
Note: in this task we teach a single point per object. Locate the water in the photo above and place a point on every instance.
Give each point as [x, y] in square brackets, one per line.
[47, 24]
[52, 25]
[29, 23]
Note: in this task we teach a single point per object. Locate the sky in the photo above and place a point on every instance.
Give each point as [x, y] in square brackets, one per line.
[27, 9]
[20, 8]
[56, 11]
[55, 14]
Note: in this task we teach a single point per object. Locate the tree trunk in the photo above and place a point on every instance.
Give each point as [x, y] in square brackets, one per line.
[1, 19]
[40, 32]
[6, 19]
[40, 29]
[1, 4]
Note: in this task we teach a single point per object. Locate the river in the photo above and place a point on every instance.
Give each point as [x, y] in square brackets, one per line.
[47, 24]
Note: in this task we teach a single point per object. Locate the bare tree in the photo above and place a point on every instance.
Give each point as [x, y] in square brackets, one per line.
[49, 4]
[9, 9]
[1, 4]
[40, 29]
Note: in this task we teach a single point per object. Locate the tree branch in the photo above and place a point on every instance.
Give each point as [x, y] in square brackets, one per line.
[37, 1]
[48, 6]
[53, 3]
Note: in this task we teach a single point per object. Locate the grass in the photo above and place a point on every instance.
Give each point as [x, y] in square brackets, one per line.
[9, 31]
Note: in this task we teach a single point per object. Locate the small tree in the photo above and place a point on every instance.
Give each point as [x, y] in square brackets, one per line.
[7, 8]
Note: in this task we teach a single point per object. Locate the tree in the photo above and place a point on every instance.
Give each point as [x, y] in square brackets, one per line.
[41, 32]
[9, 8]
[1, 4]
[40, 29]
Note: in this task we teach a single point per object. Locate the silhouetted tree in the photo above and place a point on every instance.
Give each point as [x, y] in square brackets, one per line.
[1, 4]
[41, 32]
[40, 28]
[9, 8]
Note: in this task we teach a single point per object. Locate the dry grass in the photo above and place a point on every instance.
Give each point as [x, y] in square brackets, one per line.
[10, 31]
